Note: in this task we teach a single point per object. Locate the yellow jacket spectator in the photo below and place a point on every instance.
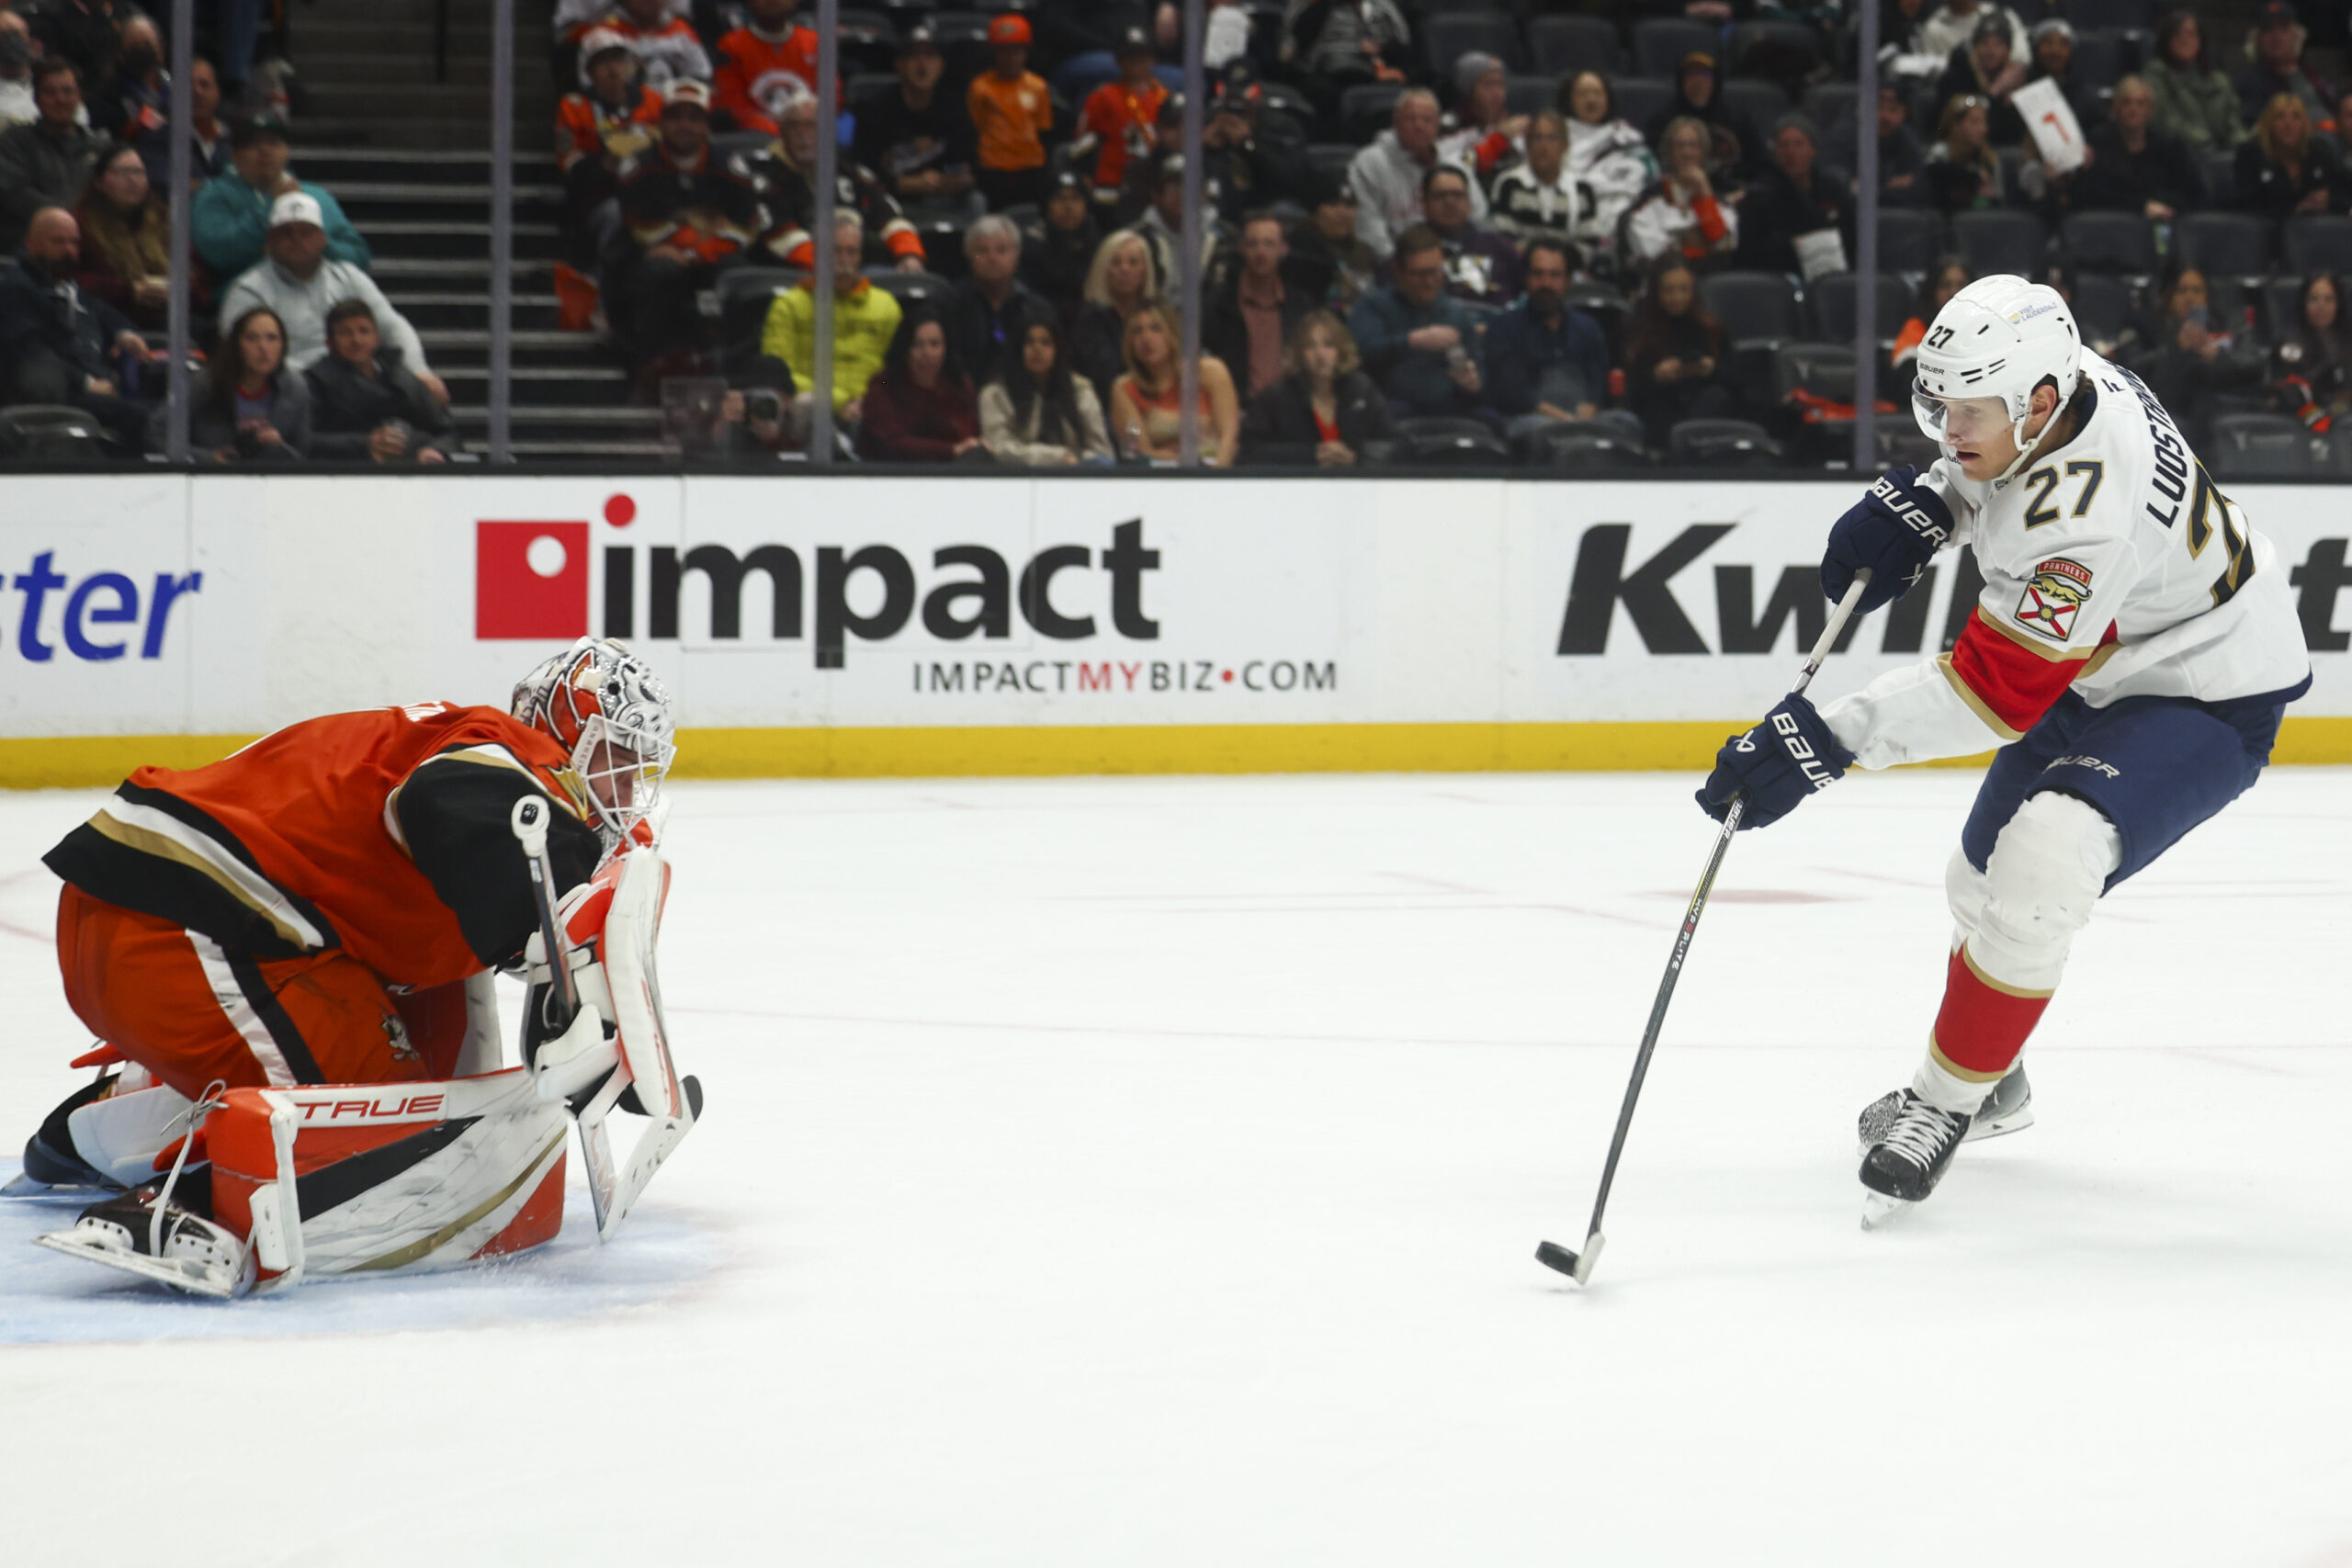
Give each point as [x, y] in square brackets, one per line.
[864, 317]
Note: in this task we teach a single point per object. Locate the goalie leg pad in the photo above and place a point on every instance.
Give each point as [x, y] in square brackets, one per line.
[410, 1178]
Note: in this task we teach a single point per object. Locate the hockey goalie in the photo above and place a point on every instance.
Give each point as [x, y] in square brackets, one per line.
[288, 957]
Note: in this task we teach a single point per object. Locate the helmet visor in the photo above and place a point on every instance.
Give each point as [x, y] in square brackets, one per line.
[1957, 420]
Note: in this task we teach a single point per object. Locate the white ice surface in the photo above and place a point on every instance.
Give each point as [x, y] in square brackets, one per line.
[1145, 1174]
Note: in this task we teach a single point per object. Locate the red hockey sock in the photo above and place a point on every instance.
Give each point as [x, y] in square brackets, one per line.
[1983, 1024]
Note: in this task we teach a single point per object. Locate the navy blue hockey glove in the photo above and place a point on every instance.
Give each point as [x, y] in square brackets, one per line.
[1775, 765]
[1894, 530]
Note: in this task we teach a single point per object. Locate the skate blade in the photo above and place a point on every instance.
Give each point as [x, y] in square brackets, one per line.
[199, 1281]
[1879, 1211]
[2016, 1121]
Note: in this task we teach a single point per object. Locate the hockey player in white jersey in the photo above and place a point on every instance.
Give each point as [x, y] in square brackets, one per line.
[2131, 655]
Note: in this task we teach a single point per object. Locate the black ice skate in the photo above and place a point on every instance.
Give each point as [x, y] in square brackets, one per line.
[2008, 1109]
[181, 1246]
[1902, 1168]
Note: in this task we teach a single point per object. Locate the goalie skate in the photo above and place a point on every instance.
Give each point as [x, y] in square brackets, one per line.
[182, 1248]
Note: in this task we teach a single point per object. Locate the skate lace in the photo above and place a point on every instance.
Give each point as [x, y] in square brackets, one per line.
[1920, 1131]
[214, 1092]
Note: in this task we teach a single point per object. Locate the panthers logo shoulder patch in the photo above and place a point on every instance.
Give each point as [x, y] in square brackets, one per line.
[2053, 596]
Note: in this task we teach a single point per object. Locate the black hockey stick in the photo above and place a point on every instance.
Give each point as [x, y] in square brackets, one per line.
[1579, 1265]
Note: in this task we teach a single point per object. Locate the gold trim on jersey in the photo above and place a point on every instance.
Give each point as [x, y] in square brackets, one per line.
[568, 791]
[158, 835]
[1965, 1075]
[2005, 989]
[1984, 715]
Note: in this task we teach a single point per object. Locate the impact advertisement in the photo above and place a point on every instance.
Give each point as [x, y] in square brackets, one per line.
[999, 622]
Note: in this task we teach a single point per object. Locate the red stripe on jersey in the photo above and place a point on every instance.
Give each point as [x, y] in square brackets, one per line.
[1981, 1027]
[2016, 683]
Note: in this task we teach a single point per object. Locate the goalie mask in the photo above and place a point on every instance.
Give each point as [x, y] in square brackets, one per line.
[1999, 337]
[605, 707]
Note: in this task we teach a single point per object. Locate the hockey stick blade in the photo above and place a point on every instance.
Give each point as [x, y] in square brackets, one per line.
[1576, 1265]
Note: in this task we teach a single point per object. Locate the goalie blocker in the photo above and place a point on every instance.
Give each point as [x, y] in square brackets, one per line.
[410, 1178]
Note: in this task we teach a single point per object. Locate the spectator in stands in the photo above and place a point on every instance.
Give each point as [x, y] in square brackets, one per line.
[2283, 170]
[757, 61]
[2134, 167]
[1698, 95]
[1251, 155]
[2278, 68]
[1330, 261]
[919, 406]
[1012, 113]
[2194, 100]
[1985, 70]
[2310, 370]
[690, 218]
[666, 45]
[1964, 172]
[1419, 342]
[1946, 278]
[1607, 159]
[1953, 25]
[2186, 362]
[1228, 28]
[596, 135]
[1545, 362]
[1480, 266]
[1798, 198]
[1674, 356]
[983, 313]
[365, 405]
[136, 97]
[1333, 45]
[1482, 134]
[247, 405]
[918, 140]
[207, 153]
[86, 34]
[1058, 249]
[1902, 157]
[57, 346]
[1119, 283]
[865, 322]
[1120, 119]
[16, 105]
[47, 163]
[299, 283]
[1249, 318]
[126, 239]
[2053, 60]
[1680, 215]
[785, 175]
[1162, 225]
[1387, 173]
[230, 216]
[1145, 402]
[1035, 411]
[1537, 196]
[1324, 410]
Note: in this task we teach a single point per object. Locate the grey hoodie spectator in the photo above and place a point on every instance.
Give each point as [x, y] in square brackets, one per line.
[299, 283]
[47, 163]
[1386, 176]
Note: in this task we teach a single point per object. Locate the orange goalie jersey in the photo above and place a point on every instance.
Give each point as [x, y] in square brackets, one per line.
[298, 912]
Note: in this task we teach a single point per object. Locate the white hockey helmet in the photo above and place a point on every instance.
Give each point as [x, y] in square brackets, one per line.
[604, 705]
[1999, 337]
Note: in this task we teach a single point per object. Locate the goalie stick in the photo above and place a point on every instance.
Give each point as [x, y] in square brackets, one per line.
[1578, 1266]
[672, 1104]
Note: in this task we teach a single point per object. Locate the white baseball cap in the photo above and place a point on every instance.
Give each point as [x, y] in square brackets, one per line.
[297, 206]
